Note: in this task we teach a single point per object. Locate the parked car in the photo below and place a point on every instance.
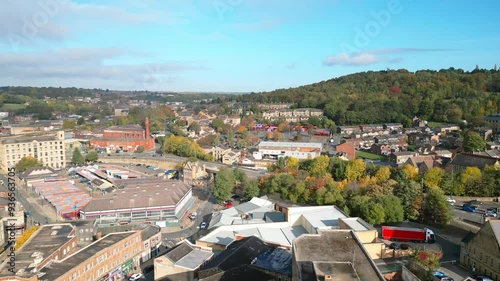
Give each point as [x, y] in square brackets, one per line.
[228, 204]
[491, 212]
[394, 246]
[451, 200]
[135, 277]
[481, 278]
[474, 202]
[404, 247]
[150, 167]
[469, 208]
[192, 216]
[236, 196]
[148, 269]
[203, 225]
[439, 274]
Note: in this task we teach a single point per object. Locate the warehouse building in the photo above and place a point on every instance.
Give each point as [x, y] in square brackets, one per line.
[300, 150]
[125, 138]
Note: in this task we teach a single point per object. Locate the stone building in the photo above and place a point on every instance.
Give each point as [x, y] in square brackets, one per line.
[126, 138]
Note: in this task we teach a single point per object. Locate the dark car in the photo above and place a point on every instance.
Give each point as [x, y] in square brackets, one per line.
[148, 269]
[404, 247]
[474, 202]
[394, 246]
[481, 278]
[236, 196]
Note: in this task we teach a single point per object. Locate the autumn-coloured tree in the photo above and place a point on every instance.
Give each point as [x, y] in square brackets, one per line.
[319, 166]
[410, 171]
[354, 169]
[26, 163]
[433, 177]
[470, 180]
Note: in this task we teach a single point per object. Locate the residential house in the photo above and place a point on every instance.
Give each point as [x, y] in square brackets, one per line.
[461, 161]
[401, 157]
[494, 122]
[480, 253]
[417, 122]
[424, 162]
[381, 149]
[346, 150]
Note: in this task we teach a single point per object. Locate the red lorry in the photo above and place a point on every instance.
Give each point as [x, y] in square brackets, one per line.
[407, 234]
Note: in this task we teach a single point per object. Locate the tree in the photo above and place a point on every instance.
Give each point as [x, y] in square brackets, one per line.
[91, 157]
[139, 149]
[77, 157]
[471, 179]
[408, 192]
[435, 209]
[223, 184]
[26, 163]
[373, 212]
[251, 189]
[354, 169]
[230, 138]
[433, 177]
[427, 258]
[217, 124]
[195, 127]
[80, 121]
[410, 171]
[473, 142]
[319, 166]
[394, 212]
[68, 124]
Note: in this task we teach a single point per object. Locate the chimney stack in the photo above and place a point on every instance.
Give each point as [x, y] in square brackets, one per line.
[146, 128]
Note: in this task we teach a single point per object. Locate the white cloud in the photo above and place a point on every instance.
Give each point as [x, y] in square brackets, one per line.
[373, 56]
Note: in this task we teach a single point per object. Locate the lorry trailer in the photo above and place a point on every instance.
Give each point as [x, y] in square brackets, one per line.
[408, 234]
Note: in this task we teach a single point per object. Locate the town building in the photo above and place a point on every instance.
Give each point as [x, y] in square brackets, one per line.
[182, 262]
[292, 115]
[300, 150]
[48, 244]
[274, 106]
[346, 150]
[125, 138]
[141, 200]
[47, 149]
[121, 111]
[481, 252]
[332, 255]
[194, 173]
[461, 161]
[493, 121]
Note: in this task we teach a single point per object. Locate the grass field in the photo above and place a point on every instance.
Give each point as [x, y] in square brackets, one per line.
[12, 106]
[434, 124]
[368, 155]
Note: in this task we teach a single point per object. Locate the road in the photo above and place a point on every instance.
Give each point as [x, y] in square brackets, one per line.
[35, 210]
[250, 172]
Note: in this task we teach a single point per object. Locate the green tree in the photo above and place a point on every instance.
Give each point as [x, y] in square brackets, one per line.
[80, 121]
[223, 184]
[373, 212]
[26, 163]
[195, 127]
[394, 212]
[217, 124]
[251, 189]
[408, 192]
[77, 157]
[91, 157]
[139, 149]
[473, 142]
[239, 175]
[68, 124]
[435, 209]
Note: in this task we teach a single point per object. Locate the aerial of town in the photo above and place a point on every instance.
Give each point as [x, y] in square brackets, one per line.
[234, 140]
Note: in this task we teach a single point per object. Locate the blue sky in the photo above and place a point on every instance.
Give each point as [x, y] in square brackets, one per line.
[236, 45]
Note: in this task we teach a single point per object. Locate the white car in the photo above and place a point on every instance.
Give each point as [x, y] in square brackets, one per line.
[451, 200]
[135, 277]
[203, 225]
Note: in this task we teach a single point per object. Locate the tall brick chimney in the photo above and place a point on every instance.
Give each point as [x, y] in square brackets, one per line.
[146, 125]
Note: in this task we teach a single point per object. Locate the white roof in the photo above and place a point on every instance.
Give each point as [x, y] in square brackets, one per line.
[356, 224]
[290, 144]
[261, 202]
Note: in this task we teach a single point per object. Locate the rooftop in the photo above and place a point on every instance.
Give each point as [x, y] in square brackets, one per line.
[45, 241]
[240, 273]
[28, 139]
[59, 268]
[131, 127]
[140, 193]
[495, 226]
[276, 260]
[290, 145]
[333, 252]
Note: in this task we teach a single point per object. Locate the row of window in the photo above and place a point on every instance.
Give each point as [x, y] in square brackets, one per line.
[34, 144]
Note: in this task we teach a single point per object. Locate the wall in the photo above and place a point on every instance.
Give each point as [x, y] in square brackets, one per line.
[408, 275]
[215, 247]
[165, 268]
[127, 144]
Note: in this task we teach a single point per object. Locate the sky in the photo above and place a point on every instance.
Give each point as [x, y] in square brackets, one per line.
[236, 45]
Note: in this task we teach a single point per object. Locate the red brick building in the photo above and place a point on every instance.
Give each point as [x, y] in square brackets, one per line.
[127, 137]
[347, 149]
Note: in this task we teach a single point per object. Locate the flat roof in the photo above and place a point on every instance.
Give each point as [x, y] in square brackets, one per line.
[322, 219]
[194, 259]
[142, 194]
[279, 144]
[46, 241]
[357, 224]
[29, 139]
[333, 252]
[58, 268]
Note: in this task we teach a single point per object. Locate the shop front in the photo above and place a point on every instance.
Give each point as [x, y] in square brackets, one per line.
[127, 267]
[116, 275]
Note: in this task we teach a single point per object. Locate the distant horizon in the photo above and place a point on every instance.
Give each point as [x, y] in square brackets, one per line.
[235, 46]
[249, 92]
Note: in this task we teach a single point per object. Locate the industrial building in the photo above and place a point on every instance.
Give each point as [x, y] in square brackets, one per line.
[141, 200]
[125, 138]
[300, 150]
[47, 149]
